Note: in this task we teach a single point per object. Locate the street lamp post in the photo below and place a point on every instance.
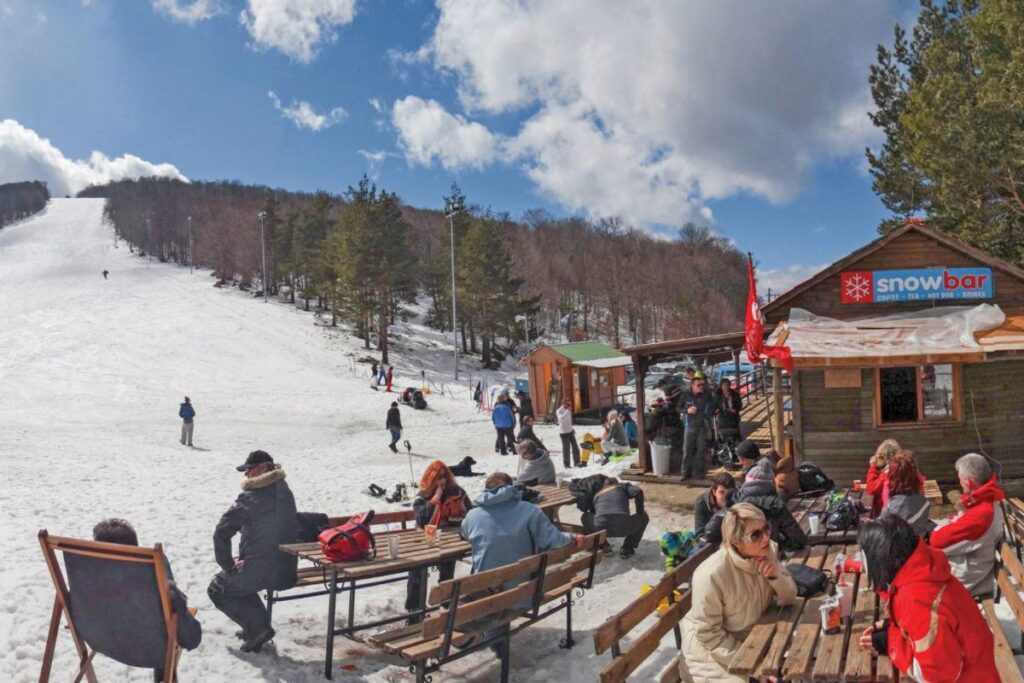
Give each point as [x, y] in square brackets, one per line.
[191, 263]
[526, 330]
[263, 248]
[451, 210]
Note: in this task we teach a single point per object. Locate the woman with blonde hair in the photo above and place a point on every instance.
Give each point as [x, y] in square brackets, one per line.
[731, 590]
[877, 482]
[615, 439]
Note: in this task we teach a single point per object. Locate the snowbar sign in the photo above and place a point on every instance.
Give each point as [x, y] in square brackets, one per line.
[927, 284]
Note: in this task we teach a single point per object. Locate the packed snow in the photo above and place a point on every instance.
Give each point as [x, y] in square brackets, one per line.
[91, 375]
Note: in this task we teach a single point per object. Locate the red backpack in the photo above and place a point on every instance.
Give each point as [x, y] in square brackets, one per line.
[351, 541]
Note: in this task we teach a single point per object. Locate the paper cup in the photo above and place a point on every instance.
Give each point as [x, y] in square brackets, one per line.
[814, 519]
[393, 547]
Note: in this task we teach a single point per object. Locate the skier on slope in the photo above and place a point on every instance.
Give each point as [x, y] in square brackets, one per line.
[186, 412]
[105, 274]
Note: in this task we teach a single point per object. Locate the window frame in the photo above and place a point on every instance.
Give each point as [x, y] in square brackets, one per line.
[921, 422]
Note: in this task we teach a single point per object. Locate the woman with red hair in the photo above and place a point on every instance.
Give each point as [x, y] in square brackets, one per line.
[906, 493]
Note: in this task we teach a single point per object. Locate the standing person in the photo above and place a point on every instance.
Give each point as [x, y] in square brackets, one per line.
[504, 424]
[731, 591]
[697, 407]
[728, 405]
[970, 538]
[443, 504]
[567, 434]
[373, 373]
[906, 494]
[525, 407]
[394, 425]
[187, 413]
[105, 273]
[527, 433]
[389, 378]
[933, 630]
[264, 513]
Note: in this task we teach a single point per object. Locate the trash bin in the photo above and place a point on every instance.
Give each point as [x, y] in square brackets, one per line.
[661, 456]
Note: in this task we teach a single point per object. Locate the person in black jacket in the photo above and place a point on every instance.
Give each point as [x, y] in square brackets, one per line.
[718, 497]
[190, 631]
[607, 508]
[697, 407]
[264, 513]
[394, 425]
[527, 433]
[759, 489]
[525, 407]
[728, 405]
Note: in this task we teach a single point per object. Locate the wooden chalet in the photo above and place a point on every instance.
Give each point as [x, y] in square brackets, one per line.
[589, 373]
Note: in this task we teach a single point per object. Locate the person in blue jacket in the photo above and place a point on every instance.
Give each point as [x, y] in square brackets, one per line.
[504, 424]
[186, 412]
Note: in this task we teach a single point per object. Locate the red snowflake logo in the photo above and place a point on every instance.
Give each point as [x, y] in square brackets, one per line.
[856, 287]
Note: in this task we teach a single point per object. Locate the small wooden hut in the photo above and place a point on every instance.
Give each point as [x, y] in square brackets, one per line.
[589, 373]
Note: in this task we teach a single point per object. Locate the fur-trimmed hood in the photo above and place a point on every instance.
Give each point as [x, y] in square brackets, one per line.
[264, 480]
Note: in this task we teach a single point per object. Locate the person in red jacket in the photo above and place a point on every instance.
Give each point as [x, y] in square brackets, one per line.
[971, 537]
[933, 629]
[876, 484]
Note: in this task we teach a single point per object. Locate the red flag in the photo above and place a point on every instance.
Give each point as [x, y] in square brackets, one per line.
[755, 328]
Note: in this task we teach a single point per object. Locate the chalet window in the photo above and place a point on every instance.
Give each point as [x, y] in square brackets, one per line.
[917, 394]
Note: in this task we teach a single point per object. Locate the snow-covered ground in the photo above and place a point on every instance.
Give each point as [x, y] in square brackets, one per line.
[91, 374]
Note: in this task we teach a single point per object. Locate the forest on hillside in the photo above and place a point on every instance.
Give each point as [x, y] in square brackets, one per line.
[20, 200]
[366, 257]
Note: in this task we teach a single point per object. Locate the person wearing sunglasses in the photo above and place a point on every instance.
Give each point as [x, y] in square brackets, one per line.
[697, 406]
[731, 591]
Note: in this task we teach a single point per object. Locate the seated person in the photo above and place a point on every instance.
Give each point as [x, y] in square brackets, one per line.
[932, 630]
[731, 591]
[906, 494]
[615, 439]
[190, 632]
[876, 484]
[442, 503]
[632, 432]
[715, 499]
[970, 538]
[787, 479]
[537, 465]
[759, 489]
[610, 512]
[748, 453]
[526, 432]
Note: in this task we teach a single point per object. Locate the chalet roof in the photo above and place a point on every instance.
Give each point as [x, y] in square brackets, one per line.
[912, 225]
[586, 351]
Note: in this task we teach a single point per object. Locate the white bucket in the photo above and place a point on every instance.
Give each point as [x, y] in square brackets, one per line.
[661, 455]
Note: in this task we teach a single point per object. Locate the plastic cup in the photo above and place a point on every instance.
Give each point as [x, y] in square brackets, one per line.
[815, 521]
[845, 593]
[393, 547]
[856, 484]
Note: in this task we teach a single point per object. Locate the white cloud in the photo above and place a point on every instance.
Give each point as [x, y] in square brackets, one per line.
[188, 12]
[296, 27]
[24, 155]
[377, 106]
[303, 115]
[648, 113]
[427, 133]
[781, 280]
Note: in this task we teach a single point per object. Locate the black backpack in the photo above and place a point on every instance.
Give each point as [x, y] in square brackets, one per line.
[812, 478]
[842, 515]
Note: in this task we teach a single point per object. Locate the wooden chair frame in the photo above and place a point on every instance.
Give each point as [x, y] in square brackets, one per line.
[109, 551]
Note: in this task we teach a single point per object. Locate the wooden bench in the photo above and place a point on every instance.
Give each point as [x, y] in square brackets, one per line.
[627, 658]
[486, 609]
[1009, 580]
[314, 576]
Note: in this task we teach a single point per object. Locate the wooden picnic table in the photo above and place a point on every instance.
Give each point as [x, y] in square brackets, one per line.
[416, 553]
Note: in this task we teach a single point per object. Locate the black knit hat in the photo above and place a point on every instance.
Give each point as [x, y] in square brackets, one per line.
[255, 458]
[748, 450]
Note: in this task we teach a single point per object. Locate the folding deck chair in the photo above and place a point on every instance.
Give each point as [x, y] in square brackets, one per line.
[115, 601]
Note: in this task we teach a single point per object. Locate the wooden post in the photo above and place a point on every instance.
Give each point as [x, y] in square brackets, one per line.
[643, 450]
[798, 426]
[779, 436]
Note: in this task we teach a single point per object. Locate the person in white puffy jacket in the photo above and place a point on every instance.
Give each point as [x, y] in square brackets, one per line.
[568, 434]
[746, 565]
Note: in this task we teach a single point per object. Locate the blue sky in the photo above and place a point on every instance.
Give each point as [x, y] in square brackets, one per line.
[750, 118]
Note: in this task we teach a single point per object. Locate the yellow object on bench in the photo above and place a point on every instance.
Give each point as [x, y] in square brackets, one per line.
[664, 604]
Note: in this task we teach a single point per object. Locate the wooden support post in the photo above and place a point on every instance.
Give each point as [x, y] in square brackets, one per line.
[779, 435]
[643, 449]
